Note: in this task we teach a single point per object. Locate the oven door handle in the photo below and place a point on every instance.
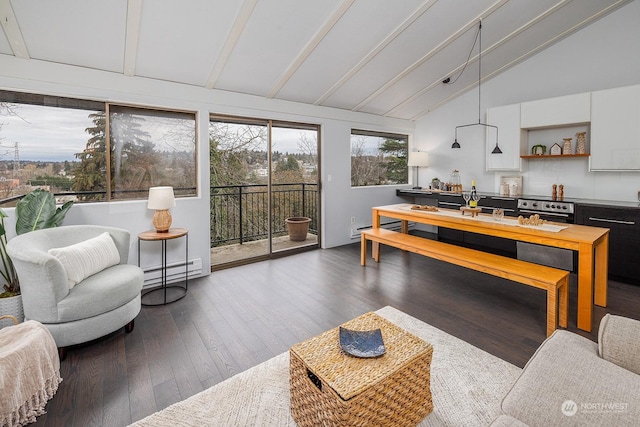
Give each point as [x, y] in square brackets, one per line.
[559, 215]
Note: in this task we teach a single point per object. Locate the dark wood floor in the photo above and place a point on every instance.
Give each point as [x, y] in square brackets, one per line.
[237, 318]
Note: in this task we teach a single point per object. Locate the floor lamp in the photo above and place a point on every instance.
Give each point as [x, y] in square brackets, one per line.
[417, 159]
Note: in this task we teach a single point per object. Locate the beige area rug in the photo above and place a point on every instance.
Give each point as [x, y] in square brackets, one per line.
[467, 385]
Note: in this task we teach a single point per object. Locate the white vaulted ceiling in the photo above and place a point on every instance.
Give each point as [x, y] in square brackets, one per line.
[385, 57]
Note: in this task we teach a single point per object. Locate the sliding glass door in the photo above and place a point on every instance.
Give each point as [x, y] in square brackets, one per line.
[264, 188]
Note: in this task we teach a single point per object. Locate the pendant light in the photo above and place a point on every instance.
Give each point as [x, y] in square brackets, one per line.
[456, 144]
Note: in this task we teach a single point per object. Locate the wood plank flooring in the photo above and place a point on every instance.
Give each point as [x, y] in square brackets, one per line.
[239, 317]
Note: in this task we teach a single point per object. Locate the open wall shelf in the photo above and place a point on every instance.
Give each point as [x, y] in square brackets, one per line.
[558, 156]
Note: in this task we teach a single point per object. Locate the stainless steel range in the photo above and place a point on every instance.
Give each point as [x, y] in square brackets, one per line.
[551, 210]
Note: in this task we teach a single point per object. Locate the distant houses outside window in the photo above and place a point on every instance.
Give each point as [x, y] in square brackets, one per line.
[378, 158]
[91, 151]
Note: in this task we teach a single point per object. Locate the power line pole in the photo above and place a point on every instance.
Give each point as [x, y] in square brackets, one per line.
[16, 161]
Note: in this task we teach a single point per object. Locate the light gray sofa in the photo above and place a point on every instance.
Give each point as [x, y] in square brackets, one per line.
[97, 306]
[572, 381]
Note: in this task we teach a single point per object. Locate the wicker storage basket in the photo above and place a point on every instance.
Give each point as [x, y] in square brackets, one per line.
[331, 388]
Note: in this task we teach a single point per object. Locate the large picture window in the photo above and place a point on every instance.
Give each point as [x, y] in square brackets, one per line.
[91, 151]
[378, 158]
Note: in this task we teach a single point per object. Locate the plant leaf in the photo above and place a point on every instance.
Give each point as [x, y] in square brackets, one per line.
[38, 210]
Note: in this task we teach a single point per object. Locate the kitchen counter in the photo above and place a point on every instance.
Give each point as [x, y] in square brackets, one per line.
[609, 203]
[579, 201]
[622, 218]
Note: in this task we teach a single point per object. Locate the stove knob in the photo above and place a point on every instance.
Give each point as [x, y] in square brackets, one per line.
[564, 207]
[548, 206]
[534, 204]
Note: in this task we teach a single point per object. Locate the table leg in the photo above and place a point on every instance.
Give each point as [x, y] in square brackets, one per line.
[552, 310]
[585, 286]
[563, 317]
[375, 223]
[363, 250]
[375, 218]
[164, 269]
[375, 251]
[602, 271]
[404, 226]
[186, 264]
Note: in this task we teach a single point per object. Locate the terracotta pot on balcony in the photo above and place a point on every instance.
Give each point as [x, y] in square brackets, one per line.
[298, 226]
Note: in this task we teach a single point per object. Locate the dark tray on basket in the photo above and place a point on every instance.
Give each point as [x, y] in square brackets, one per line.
[362, 343]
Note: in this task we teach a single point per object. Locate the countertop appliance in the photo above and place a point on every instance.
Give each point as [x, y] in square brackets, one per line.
[550, 210]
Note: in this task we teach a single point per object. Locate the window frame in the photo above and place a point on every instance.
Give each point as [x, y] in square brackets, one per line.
[380, 134]
[104, 107]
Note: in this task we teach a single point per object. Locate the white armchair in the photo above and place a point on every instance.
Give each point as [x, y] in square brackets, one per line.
[77, 312]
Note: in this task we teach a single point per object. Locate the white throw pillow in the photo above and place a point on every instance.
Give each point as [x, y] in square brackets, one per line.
[87, 258]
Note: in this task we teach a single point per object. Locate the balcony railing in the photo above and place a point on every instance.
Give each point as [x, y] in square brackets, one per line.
[239, 213]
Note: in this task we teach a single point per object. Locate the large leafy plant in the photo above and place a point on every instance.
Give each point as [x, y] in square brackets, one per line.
[12, 286]
[36, 210]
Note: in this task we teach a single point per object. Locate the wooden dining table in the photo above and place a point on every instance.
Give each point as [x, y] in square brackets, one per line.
[591, 244]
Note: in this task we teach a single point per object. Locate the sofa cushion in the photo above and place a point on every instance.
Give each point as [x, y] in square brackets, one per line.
[102, 292]
[619, 341]
[567, 383]
[87, 257]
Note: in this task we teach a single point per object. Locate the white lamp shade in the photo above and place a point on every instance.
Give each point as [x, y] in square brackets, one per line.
[161, 198]
[418, 158]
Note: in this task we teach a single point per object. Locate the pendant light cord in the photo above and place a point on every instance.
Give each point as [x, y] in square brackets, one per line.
[479, 66]
[468, 57]
[478, 39]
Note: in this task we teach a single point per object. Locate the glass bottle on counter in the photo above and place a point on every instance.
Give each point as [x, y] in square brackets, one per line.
[456, 186]
[474, 195]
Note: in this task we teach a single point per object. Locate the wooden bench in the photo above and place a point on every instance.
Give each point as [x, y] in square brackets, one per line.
[552, 280]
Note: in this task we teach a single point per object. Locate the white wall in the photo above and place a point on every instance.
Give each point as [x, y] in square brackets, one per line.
[601, 56]
[339, 201]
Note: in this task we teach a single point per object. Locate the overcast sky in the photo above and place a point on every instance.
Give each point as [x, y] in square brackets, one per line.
[43, 133]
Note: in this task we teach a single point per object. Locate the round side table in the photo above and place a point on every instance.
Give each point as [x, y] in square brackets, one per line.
[154, 236]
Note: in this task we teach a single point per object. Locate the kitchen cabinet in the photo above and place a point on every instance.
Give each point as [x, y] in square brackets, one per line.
[558, 111]
[615, 129]
[512, 140]
[624, 236]
[508, 204]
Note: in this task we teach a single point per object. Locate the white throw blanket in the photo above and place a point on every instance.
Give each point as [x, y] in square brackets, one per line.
[29, 372]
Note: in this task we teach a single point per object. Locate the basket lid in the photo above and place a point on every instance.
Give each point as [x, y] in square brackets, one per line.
[347, 375]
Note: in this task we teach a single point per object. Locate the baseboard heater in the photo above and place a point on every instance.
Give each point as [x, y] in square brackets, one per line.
[175, 272]
[391, 225]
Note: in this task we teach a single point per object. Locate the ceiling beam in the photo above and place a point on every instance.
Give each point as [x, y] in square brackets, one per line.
[310, 46]
[376, 50]
[12, 30]
[453, 37]
[513, 62]
[458, 69]
[526, 55]
[134, 14]
[230, 43]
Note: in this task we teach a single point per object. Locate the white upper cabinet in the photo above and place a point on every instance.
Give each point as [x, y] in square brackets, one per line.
[615, 129]
[559, 111]
[511, 138]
